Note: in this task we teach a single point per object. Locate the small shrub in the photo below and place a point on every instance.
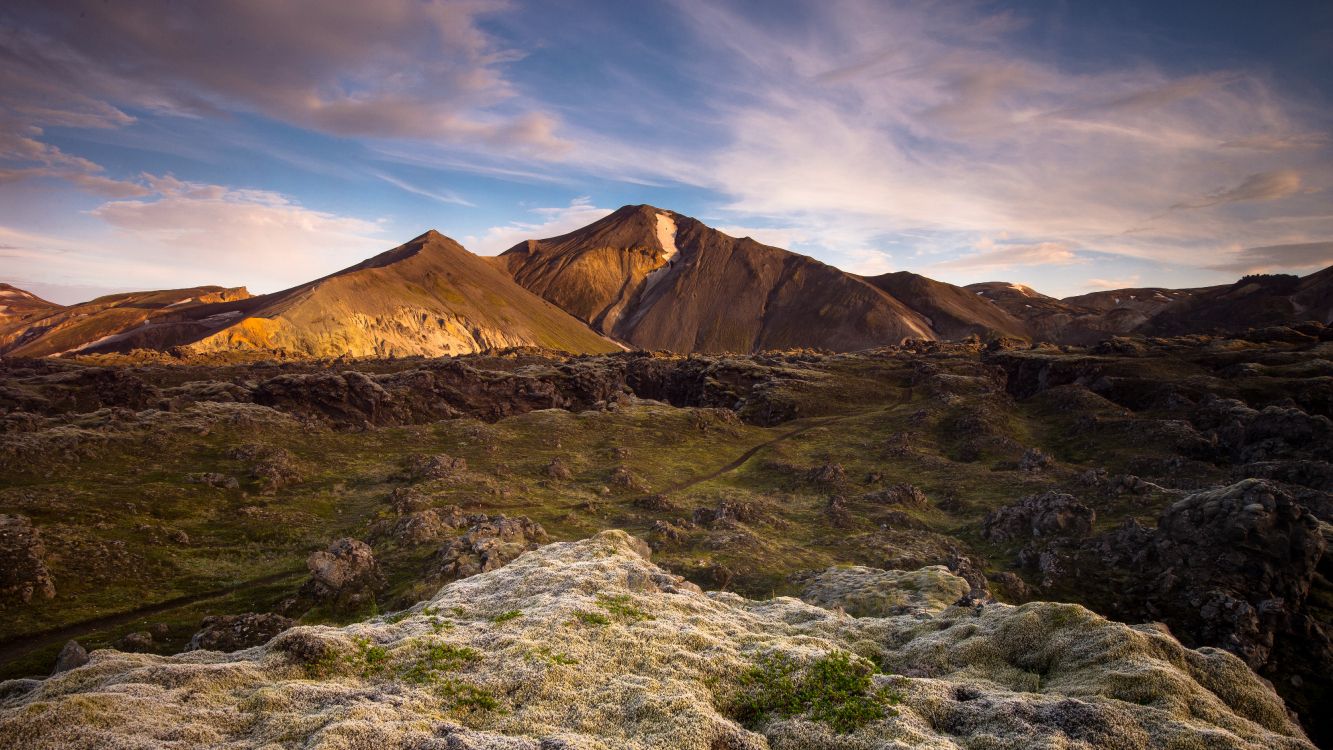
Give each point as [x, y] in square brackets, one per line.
[836, 690]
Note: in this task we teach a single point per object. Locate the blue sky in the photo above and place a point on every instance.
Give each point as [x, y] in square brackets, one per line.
[1068, 146]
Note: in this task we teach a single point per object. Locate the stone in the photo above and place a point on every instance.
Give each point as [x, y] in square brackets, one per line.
[72, 656]
[23, 572]
[236, 632]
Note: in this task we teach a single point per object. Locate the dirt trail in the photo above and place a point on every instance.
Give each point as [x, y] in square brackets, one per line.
[18, 646]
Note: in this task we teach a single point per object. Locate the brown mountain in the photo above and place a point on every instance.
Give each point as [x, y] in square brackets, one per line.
[107, 323]
[953, 312]
[18, 305]
[657, 279]
[428, 297]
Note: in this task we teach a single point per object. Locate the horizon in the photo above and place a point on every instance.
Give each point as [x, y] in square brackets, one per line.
[1067, 149]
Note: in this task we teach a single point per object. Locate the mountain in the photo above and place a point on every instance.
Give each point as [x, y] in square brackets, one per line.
[657, 279]
[1256, 300]
[1084, 319]
[953, 312]
[108, 322]
[17, 305]
[428, 297]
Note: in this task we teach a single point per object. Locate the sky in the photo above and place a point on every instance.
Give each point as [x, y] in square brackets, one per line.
[1069, 146]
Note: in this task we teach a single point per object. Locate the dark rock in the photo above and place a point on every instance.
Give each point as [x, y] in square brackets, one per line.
[72, 656]
[236, 632]
[440, 466]
[903, 494]
[1049, 514]
[214, 479]
[136, 642]
[556, 469]
[829, 473]
[23, 572]
[491, 542]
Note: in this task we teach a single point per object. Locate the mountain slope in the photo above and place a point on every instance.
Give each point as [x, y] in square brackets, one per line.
[1257, 300]
[18, 304]
[953, 312]
[1084, 319]
[661, 280]
[428, 297]
[109, 322]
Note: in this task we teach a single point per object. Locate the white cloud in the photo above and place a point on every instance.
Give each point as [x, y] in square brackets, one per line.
[1124, 282]
[552, 222]
[1015, 255]
[237, 236]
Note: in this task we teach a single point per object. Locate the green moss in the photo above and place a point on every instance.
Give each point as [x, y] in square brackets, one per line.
[512, 614]
[836, 689]
[621, 606]
[591, 618]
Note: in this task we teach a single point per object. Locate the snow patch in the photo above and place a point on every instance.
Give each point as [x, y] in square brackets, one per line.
[178, 303]
[666, 235]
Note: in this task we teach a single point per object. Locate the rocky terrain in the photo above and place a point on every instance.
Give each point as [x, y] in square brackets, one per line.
[158, 504]
[589, 645]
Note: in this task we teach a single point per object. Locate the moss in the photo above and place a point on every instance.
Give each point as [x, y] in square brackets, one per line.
[591, 618]
[836, 689]
[622, 607]
[503, 617]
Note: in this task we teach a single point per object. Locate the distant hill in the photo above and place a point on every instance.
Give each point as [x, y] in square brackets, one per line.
[107, 323]
[657, 279]
[428, 297]
[1084, 319]
[18, 305]
[1258, 300]
[953, 312]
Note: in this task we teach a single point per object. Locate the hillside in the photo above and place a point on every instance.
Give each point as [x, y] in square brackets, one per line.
[953, 312]
[132, 319]
[18, 304]
[427, 297]
[657, 279]
[1257, 300]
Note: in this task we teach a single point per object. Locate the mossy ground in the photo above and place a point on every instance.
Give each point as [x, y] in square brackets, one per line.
[108, 521]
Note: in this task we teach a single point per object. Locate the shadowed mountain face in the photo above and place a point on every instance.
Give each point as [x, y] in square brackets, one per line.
[428, 297]
[1259, 300]
[660, 280]
[1085, 319]
[953, 312]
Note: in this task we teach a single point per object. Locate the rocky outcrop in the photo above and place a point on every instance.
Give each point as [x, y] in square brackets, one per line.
[1049, 514]
[343, 578]
[589, 645]
[235, 632]
[23, 573]
[1230, 567]
[489, 543]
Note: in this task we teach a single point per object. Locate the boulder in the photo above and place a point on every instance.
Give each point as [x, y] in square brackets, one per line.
[1049, 514]
[72, 656]
[344, 578]
[23, 572]
[235, 632]
[489, 543]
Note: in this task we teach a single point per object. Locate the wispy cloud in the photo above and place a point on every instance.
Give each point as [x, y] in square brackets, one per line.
[1293, 257]
[443, 196]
